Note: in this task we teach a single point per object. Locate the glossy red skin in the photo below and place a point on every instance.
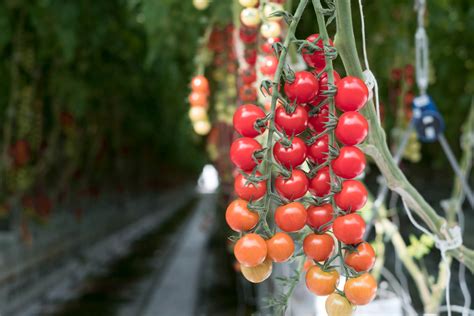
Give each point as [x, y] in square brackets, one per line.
[349, 228]
[362, 259]
[350, 163]
[247, 93]
[248, 35]
[303, 89]
[290, 217]
[320, 184]
[248, 75]
[294, 123]
[250, 56]
[267, 47]
[352, 196]
[318, 151]
[294, 187]
[318, 246]
[318, 121]
[241, 153]
[352, 128]
[323, 86]
[352, 94]
[319, 216]
[291, 156]
[316, 59]
[249, 191]
[269, 65]
[244, 120]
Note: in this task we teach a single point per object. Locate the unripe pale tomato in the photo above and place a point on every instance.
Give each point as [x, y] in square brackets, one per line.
[349, 228]
[362, 258]
[292, 123]
[250, 250]
[291, 156]
[352, 196]
[352, 128]
[270, 29]
[318, 246]
[352, 94]
[290, 217]
[250, 17]
[202, 127]
[294, 187]
[338, 305]
[239, 217]
[198, 99]
[269, 65]
[197, 113]
[247, 190]
[242, 151]
[270, 8]
[349, 163]
[303, 89]
[245, 118]
[280, 247]
[259, 273]
[320, 215]
[317, 58]
[200, 84]
[248, 3]
[321, 282]
[320, 185]
[317, 122]
[361, 290]
[201, 4]
[318, 151]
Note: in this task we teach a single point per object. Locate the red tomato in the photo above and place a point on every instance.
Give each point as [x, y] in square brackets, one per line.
[349, 228]
[247, 190]
[315, 59]
[247, 93]
[361, 290]
[200, 84]
[303, 89]
[290, 217]
[291, 156]
[248, 75]
[250, 250]
[352, 196]
[323, 86]
[320, 215]
[250, 56]
[318, 151]
[320, 185]
[318, 247]
[248, 35]
[267, 47]
[239, 217]
[350, 163]
[245, 118]
[352, 128]
[321, 282]
[198, 99]
[362, 258]
[292, 123]
[352, 94]
[269, 65]
[241, 153]
[280, 247]
[318, 122]
[294, 187]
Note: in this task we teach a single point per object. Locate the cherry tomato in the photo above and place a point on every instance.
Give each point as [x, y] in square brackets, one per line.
[292, 123]
[290, 217]
[352, 196]
[250, 250]
[250, 56]
[269, 65]
[239, 217]
[323, 86]
[198, 99]
[245, 118]
[242, 151]
[352, 94]
[317, 58]
[319, 216]
[349, 163]
[338, 305]
[318, 247]
[250, 17]
[303, 89]
[318, 122]
[320, 185]
[247, 93]
[259, 273]
[248, 3]
[321, 282]
[352, 128]
[291, 156]
[318, 151]
[248, 35]
[362, 258]
[280, 247]
[200, 84]
[247, 190]
[349, 228]
[267, 47]
[270, 29]
[248, 75]
[294, 187]
[361, 290]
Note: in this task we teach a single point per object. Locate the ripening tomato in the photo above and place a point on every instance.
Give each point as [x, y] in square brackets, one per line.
[319, 216]
[294, 187]
[362, 258]
[349, 163]
[200, 84]
[303, 88]
[250, 17]
[248, 75]
[269, 65]
[361, 290]
[318, 151]
[292, 123]
[280, 247]
[349, 228]
[250, 250]
[320, 185]
[259, 273]
[290, 217]
[291, 156]
[267, 47]
[352, 196]
[338, 305]
[247, 93]
[247, 190]
[242, 153]
[318, 246]
[321, 282]
[352, 128]
[245, 118]
[323, 86]
[198, 99]
[352, 94]
[315, 59]
[239, 217]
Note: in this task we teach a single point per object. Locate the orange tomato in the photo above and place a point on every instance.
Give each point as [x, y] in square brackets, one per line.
[361, 290]
[198, 99]
[290, 217]
[280, 247]
[239, 217]
[318, 247]
[362, 259]
[250, 250]
[200, 84]
[321, 282]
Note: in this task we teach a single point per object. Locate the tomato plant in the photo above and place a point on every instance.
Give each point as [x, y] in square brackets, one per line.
[303, 89]
[320, 184]
[247, 190]
[352, 196]
[245, 119]
[319, 216]
[338, 305]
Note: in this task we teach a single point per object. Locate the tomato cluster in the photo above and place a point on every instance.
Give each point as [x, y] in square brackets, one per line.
[198, 99]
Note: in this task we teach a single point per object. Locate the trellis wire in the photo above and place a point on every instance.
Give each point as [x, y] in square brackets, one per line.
[401, 291]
